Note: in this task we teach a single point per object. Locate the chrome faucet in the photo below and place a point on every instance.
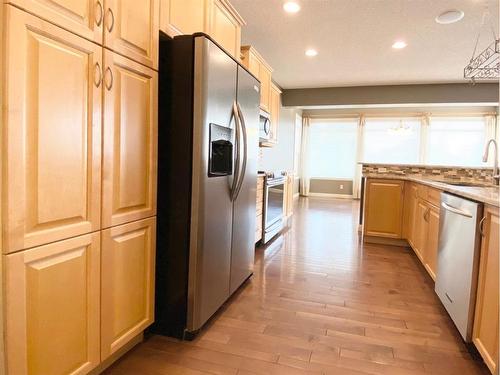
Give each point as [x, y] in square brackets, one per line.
[496, 172]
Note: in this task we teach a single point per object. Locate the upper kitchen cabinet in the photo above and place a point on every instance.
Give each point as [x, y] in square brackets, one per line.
[131, 29]
[82, 17]
[129, 141]
[383, 208]
[179, 17]
[254, 62]
[217, 18]
[52, 133]
[275, 106]
[225, 26]
[52, 307]
[485, 331]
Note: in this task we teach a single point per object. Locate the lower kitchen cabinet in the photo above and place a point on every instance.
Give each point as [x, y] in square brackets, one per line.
[432, 241]
[383, 208]
[485, 331]
[52, 308]
[127, 283]
[420, 229]
[259, 208]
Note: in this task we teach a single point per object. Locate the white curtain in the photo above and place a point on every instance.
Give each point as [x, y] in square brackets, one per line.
[358, 168]
[304, 167]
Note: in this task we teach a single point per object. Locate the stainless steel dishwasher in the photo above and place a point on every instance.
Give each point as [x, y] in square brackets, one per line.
[458, 259]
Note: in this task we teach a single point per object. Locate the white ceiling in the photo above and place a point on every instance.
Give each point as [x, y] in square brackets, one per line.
[354, 39]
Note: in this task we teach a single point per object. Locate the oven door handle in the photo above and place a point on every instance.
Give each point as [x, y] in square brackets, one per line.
[241, 176]
[236, 167]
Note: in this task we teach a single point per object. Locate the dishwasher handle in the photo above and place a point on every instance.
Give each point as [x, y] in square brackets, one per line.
[455, 210]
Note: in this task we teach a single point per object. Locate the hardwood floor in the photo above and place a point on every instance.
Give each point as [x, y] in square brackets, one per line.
[320, 302]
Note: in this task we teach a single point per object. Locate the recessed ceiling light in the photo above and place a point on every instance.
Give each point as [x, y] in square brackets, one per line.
[291, 7]
[399, 44]
[450, 16]
[311, 52]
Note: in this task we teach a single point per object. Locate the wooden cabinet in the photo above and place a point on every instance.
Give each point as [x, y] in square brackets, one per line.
[52, 133]
[127, 291]
[254, 62]
[52, 308]
[420, 229]
[383, 208]
[82, 17]
[225, 26]
[485, 331]
[288, 207]
[179, 17]
[129, 141]
[131, 29]
[275, 106]
[432, 241]
[217, 18]
[410, 211]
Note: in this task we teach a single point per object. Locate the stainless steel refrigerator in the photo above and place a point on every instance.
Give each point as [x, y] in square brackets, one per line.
[208, 146]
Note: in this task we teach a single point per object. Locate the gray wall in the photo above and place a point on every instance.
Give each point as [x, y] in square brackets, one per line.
[280, 157]
[453, 93]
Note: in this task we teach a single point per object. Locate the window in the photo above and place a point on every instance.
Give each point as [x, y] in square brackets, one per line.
[456, 141]
[391, 140]
[332, 148]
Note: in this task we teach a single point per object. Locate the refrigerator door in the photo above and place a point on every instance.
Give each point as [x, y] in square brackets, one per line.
[243, 237]
[215, 75]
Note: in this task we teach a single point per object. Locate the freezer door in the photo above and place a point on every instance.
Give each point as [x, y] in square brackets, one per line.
[243, 241]
[211, 206]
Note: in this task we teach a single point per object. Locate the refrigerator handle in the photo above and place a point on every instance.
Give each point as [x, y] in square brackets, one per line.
[241, 177]
[236, 174]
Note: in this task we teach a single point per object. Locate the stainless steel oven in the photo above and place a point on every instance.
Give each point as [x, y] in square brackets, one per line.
[274, 193]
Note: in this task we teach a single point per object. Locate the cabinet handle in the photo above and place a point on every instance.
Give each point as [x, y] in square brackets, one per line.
[97, 75]
[111, 79]
[98, 20]
[481, 226]
[110, 27]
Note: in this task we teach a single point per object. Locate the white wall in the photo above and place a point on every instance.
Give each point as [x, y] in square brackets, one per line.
[280, 157]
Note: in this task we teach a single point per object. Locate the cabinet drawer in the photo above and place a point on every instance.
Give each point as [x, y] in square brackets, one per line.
[422, 191]
[434, 196]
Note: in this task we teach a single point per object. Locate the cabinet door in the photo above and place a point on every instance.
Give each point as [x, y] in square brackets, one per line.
[265, 88]
[52, 308]
[179, 17]
[52, 133]
[131, 28]
[431, 246]
[384, 208]
[82, 17]
[127, 291]
[130, 141]
[224, 27]
[485, 332]
[275, 113]
[420, 229]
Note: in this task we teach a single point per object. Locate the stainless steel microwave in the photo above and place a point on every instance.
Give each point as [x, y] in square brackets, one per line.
[265, 126]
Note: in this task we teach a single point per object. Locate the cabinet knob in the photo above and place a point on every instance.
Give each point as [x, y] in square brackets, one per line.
[108, 82]
[111, 17]
[100, 11]
[97, 75]
[481, 226]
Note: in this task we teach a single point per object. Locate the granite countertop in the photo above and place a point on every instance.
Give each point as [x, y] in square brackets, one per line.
[485, 194]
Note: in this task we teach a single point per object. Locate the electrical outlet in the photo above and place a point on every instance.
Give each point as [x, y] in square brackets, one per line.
[341, 187]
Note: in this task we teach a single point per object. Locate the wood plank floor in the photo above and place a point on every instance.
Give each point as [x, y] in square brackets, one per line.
[320, 302]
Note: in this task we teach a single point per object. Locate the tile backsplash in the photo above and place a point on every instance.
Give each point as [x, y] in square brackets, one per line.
[438, 172]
